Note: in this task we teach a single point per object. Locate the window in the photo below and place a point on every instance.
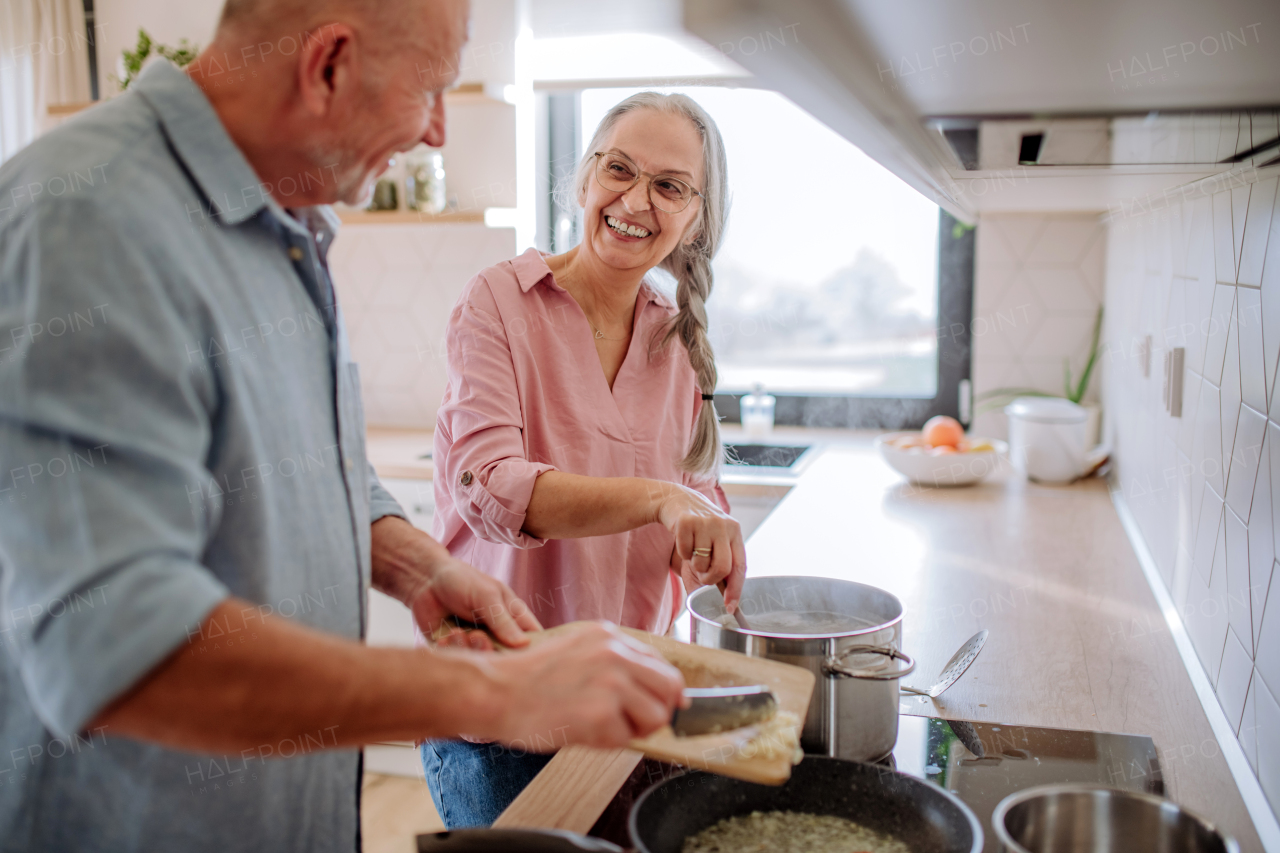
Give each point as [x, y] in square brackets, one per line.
[834, 279]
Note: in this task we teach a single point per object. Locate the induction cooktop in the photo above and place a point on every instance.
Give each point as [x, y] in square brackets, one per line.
[982, 763]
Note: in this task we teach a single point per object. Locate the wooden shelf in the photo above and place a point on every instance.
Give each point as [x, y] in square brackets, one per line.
[409, 217]
[467, 93]
[473, 93]
[68, 108]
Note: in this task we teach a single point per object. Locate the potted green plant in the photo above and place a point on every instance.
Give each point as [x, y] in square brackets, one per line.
[131, 61]
[1073, 389]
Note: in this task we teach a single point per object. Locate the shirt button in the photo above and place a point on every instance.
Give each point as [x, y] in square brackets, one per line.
[350, 465]
[295, 253]
[467, 477]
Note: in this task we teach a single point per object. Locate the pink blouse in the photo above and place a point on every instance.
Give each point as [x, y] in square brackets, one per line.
[526, 395]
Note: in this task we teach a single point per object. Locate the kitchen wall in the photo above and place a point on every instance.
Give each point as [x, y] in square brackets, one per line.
[1204, 274]
[1038, 281]
[396, 285]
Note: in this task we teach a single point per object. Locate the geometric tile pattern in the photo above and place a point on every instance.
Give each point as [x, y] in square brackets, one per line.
[1038, 282]
[1204, 274]
[397, 285]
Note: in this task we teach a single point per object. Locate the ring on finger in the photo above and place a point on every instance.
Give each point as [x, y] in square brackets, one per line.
[702, 552]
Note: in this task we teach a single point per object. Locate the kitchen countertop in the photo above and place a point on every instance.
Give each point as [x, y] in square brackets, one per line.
[1077, 638]
[397, 453]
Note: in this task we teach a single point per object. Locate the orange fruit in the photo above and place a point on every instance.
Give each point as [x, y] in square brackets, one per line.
[942, 431]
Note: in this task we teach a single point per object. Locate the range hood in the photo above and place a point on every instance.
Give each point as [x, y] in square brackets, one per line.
[991, 105]
[1193, 140]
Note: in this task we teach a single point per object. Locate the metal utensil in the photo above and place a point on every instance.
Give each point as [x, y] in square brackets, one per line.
[721, 709]
[955, 667]
[737, 611]
[968, 736]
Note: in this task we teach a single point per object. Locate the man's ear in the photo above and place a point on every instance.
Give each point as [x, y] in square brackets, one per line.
[327, 65]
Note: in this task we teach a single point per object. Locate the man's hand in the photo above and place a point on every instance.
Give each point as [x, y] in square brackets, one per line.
[594, 686]
[420, 573]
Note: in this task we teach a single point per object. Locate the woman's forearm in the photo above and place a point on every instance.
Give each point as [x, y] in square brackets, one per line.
[571, 506]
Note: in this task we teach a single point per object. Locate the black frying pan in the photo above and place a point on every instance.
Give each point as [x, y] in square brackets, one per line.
[513, 841]
[925, 817]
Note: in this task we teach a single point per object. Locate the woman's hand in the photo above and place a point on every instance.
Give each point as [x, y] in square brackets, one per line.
[708, 545]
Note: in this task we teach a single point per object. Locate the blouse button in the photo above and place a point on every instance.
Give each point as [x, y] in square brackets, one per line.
[295, 253]
[467, 477]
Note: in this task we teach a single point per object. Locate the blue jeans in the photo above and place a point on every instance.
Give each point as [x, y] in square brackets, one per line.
[472, 783]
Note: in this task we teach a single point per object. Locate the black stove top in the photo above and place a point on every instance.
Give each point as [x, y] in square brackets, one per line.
[982, 763]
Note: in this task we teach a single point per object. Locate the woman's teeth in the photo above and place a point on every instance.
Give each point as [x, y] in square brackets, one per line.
[622, 228]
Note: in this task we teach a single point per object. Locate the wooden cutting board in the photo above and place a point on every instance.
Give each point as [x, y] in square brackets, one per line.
[728, 753]
[574, 788]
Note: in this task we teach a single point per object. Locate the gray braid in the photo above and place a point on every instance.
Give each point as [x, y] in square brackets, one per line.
[690, 264]
[694, 278]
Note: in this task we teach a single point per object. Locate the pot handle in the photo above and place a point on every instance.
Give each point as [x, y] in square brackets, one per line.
[835, 665]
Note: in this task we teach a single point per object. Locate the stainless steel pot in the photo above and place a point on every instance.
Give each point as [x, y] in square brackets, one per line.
[1052, 818]
[854, 710]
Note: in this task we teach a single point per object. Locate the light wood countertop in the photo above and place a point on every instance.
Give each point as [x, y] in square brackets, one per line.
[397, 453]
[1077, 638]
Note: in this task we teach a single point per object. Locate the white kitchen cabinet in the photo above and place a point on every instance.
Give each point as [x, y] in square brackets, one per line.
[389, 621]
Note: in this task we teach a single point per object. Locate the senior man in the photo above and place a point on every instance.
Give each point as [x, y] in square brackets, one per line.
[188, 524]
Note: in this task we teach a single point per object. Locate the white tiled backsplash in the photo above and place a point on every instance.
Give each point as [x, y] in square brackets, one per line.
[396, 285]
[1038, 283]
[1204, 274]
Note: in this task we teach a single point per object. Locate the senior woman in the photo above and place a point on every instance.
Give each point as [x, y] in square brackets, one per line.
[576, 448]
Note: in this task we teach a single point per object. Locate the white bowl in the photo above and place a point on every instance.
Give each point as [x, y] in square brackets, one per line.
[952, 469]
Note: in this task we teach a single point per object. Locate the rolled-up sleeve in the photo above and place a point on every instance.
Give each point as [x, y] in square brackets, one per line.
[480, 449]
[104, 432]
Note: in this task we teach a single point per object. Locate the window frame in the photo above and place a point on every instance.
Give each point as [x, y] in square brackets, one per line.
[954, 359]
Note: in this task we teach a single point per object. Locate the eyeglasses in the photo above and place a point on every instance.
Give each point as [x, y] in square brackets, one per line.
[617, 174]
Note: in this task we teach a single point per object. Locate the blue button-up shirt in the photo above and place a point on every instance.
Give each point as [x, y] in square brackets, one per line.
[180, 421]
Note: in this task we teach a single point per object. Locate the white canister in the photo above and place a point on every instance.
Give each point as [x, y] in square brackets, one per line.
[1047, 438]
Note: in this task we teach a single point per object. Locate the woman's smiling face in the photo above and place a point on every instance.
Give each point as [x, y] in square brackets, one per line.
[659, 143]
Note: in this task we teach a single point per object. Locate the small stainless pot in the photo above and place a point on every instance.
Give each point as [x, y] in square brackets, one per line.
[854, 710]
[1051, 818]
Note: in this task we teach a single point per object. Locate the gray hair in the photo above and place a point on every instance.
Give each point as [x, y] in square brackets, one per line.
[690, 264]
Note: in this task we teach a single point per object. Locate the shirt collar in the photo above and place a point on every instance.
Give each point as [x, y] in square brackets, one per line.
[531, 268]
[321, 222]
[230, 185]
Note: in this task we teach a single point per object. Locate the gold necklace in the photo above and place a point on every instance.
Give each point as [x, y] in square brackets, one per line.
[600, 335]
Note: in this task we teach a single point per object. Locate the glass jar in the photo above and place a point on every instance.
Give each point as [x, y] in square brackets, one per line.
[384, 195]
[756, 409]
[424, 188]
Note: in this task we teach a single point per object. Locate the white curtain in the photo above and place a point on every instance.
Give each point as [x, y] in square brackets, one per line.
[44, 59]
